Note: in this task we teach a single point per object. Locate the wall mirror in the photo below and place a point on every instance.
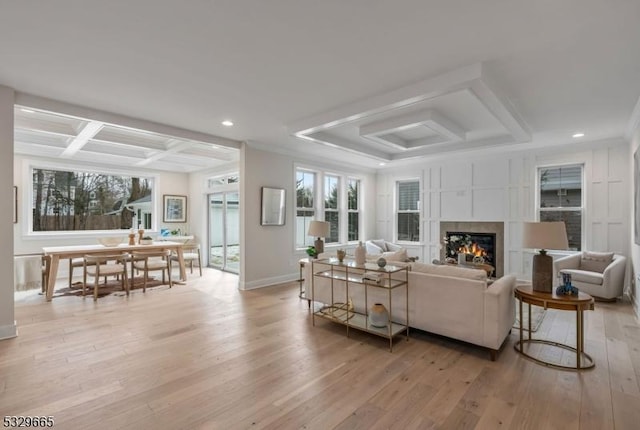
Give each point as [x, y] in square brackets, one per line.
[273, 206]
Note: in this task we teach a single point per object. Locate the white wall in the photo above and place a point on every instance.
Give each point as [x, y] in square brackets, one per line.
[500, 186]
[7, 322]
[635, 249]
[268, 255]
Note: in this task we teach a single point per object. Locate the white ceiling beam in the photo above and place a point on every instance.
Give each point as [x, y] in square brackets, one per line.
[49, 105]
[332, 141]
[427, 141]
[388, 140]
[500, 107]
[447, 147]
[172, 149]
[402, 97]
[382, 131]
[86, 134]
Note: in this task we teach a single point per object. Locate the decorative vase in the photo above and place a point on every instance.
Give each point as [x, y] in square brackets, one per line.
[341, 254]
[378, 315]
[381, 262]
[361, 254]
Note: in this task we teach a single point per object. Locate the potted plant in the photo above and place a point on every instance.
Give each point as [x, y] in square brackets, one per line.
[146, 240]
[312, 252]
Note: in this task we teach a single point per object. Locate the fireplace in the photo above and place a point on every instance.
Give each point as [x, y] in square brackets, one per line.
[486, 235]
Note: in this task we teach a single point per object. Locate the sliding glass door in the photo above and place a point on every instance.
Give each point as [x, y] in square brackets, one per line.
[224, 231]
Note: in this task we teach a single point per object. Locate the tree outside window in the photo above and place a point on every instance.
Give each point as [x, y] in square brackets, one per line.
[75, 200]
[332, 207]
[560, 199]
[353, 209]
[305, 210]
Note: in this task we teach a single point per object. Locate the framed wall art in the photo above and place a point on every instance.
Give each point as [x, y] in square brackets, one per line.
[174, 208]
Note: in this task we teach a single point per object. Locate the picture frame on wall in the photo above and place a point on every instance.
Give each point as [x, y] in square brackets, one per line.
[636, 196]
[174, 208]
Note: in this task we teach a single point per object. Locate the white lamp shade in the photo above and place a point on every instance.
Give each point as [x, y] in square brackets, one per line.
[544, 235]
[318, 229]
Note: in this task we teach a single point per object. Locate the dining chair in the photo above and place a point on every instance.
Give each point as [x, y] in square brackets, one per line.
[152, 261]
[76, 262]
[104, 265]
[190, 253]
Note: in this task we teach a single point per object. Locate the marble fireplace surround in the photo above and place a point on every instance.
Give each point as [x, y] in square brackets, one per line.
[496, 228]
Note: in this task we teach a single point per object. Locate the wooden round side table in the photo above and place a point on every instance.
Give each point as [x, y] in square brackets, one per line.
[579, 303]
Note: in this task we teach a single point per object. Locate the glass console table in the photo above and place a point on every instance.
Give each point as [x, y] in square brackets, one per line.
[388, 278]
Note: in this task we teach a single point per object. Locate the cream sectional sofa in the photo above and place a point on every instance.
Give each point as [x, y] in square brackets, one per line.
[454, 302]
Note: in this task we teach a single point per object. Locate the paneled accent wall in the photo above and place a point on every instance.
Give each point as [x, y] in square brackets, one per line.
[502, 187]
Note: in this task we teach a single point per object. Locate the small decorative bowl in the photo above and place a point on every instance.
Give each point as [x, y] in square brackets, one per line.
[146, 241]
[110, 241]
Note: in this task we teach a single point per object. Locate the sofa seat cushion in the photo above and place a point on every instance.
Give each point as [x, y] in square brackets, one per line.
[595, 261]
[585, 276]
[448, 270]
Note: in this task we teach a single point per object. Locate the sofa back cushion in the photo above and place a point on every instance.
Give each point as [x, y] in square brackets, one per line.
[449, 270]
[595, 261]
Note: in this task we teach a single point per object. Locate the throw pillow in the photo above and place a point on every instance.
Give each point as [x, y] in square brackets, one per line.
[396, 256]
[595, 261]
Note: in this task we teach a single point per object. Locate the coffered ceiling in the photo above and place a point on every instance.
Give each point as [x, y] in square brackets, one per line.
[361, 82]
[64, 137]
[457, 110]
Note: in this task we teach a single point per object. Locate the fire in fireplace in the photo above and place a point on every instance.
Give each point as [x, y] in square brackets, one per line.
[474, 244]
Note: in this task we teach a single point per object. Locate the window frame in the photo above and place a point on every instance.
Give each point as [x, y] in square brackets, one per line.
[579, 209]
[319, 203]
[313, 208]
[397, 210]
[357, 211]
[28, 196]
[337, 210]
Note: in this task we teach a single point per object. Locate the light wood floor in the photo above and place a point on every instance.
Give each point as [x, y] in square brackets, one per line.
[207, 356]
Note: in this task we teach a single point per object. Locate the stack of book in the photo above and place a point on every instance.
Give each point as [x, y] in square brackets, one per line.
[372, 277]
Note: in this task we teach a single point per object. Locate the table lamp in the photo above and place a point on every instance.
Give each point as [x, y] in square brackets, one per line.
[319, 229]
[543, 236]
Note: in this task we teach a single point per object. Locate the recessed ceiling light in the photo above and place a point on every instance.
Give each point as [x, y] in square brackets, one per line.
[576, 135]
[227, 123]
[382, 164]
[27, 110]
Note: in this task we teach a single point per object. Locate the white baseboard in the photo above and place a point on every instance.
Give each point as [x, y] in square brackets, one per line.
[267, 282]
[8, 331]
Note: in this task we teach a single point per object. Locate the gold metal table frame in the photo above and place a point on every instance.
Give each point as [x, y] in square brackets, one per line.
[579, 303]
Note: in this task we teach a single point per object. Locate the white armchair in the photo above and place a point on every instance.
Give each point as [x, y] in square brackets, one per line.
[379, 246]
[599, 274]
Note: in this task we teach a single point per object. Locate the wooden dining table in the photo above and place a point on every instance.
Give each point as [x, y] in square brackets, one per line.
[56, 253]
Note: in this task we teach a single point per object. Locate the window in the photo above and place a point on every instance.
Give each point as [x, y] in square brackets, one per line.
[223, 180]
[332, 207]
[305, 209]
[76, 200]
[332, 197]
[353, 209]
[408, 213]
[560, 199]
